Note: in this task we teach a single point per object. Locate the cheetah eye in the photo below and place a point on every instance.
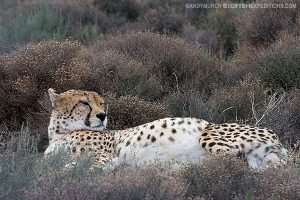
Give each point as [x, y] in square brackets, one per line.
[84, 102]
[102, 104]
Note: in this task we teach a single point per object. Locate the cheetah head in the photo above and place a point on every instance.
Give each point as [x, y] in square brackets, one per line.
[78, 110]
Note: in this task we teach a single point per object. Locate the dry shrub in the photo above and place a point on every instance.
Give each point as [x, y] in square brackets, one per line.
[151, 88]
[118, 73]
[230, 178]
[217, 178]
[172, 62]
[7, 48]
[164, 20]
[129, 111]
[122, 64]
[278, 66]
[205, 39]
[233, 103]
[31, 70]
[260, 27]
[222, 24]
[190, 104]
[282, 183]
[27, 73]
[285, 118]
[128, 183]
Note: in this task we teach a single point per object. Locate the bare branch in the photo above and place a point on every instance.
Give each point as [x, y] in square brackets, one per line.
[273, 103]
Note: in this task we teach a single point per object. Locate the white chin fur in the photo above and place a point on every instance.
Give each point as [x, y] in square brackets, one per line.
[98, 128]
[98, 125]
[95, 126]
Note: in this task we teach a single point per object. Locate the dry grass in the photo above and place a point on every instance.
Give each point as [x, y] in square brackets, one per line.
[234, 102]
[230, 178]
[285, 118]
[25, 175]
[126, 183]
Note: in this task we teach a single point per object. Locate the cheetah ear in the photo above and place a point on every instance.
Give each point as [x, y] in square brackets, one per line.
[53, 97]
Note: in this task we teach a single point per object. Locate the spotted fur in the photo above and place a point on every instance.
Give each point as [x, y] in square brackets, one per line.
[260, 146]
[170, 139]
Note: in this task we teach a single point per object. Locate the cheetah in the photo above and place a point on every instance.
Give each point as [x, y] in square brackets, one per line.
[75, 110]
[78, 124]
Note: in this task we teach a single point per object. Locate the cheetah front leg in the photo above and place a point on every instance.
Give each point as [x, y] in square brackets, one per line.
[99, 160]
[103, 160]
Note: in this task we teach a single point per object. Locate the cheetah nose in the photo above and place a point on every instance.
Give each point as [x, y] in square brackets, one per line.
[101, 116]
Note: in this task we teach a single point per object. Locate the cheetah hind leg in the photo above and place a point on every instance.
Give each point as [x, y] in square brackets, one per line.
[276, 159]
[270, 159]
[273, 158]
[221, 149]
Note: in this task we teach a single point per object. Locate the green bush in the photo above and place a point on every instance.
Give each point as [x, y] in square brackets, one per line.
[129, 9]
[16, 164]
[44, 22]
[40, 24]
[212, 29]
